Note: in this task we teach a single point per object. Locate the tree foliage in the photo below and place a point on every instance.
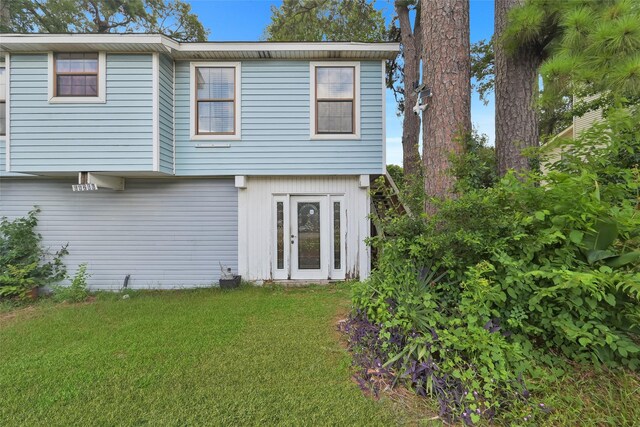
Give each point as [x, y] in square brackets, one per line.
[482, 68]
[173, 18]
[597, 57]
[589, 49]
[326, 20]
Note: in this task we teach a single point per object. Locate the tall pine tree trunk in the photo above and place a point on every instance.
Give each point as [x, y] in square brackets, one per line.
[446, 71]
[516, 88]
[412, 49]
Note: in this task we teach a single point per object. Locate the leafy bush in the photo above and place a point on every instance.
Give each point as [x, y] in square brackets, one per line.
[24, 263]
[77, 290]
[476, 167]
[505, 281]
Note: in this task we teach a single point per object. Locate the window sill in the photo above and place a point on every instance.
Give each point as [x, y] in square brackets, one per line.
[77, 100]
[335, 136]
[236, 137]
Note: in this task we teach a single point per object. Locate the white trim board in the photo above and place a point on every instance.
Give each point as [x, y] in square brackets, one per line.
[168, 44]
[312, 100]
[192, 102]
[173, 112]
[102, 85]
[7, 105]
[384, 116]
[155, 89]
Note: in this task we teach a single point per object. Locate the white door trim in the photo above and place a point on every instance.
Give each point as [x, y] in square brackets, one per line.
[289, 270]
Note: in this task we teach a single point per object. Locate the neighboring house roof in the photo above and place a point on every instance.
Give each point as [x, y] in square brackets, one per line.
[26, 43]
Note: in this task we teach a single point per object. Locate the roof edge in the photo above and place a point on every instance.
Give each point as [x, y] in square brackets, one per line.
[208, 46]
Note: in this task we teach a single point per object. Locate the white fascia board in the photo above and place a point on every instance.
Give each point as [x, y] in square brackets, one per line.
[287, 46]
[170, 45]
[8, 39]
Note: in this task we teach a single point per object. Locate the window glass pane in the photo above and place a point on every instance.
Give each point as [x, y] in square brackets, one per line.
[335, 117]
[216, 117]
[77, 62]
[336, 236]
[309, 236]
[71, 85]
[216, 83]
[3, 84]
[334, 82]
[3, 118]
[280, 234]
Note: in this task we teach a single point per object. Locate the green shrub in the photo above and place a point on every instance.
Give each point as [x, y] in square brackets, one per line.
[508, 279]
[24, 263]
[476, 167]
[77, 290]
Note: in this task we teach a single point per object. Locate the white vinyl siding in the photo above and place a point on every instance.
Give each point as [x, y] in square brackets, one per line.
[257, 230]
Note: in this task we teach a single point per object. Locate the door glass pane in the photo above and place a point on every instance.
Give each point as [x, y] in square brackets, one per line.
[309, 235]
[3, 118]
[280, 234]
[336, 235]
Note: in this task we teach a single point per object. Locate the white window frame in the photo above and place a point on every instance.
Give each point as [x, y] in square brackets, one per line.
[192, 102]
[312, 100]
[102, 84]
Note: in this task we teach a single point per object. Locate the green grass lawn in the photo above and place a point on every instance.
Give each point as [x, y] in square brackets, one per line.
[249, 356]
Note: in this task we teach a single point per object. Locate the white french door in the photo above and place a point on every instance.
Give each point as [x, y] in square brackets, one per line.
[309, 237]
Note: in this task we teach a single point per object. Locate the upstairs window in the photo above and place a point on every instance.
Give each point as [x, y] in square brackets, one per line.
[76, 74]
[77, 78]
[335, 99]
[3, 102]
[215, 100]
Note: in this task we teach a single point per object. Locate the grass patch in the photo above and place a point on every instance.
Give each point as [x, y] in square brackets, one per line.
[251, 356]
[586, 397]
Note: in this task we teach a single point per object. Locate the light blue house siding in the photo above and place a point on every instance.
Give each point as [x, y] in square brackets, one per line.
[3, 163]
[165, 108]
[114, 136]
[164, 233]
[275, 126]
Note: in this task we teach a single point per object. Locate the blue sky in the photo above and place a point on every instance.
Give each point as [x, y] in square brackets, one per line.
[245, 20]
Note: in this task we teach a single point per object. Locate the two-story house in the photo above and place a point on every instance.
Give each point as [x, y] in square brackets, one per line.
[162, 160]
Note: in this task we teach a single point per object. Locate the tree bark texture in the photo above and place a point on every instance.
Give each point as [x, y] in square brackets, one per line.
[516, 87]
[412, 49]
[447, 72]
